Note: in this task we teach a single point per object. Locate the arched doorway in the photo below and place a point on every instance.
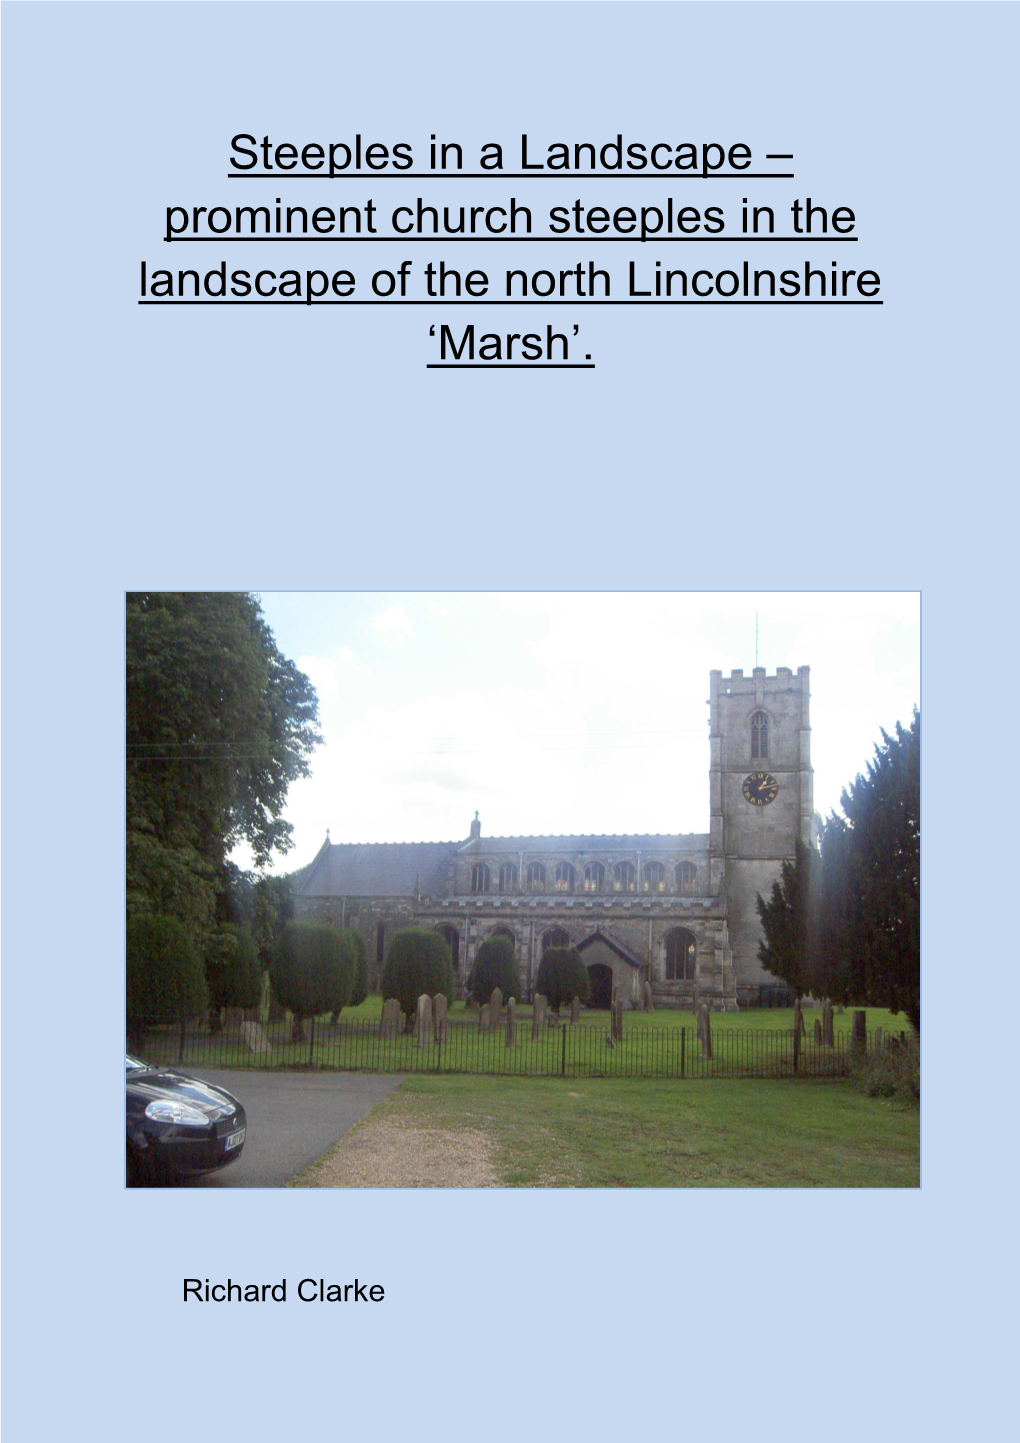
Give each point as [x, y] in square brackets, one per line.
[453, 940]
[600, 986]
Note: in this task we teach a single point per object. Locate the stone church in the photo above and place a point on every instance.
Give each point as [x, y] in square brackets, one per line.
[678, 910]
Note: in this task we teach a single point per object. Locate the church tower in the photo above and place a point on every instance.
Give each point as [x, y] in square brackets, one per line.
[762, 798]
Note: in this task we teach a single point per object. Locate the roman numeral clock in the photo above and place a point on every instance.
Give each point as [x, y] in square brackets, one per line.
[760, 788]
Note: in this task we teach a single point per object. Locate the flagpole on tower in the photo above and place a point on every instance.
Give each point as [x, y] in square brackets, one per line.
[756, 640]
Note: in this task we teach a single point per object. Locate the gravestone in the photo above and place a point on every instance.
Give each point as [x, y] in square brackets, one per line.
[616, 1018]
[827, 1032]
[539, 1005]
[575, 1011]
[649, 1001]
[511, 1022]
[256, 1039]
[705, 1031]
[818, 1033]
[496, 1004]
[388, 1021]
[798, 1018]
[485, 1018]
[859, 1032]
[423, 1021]
[440, 1012]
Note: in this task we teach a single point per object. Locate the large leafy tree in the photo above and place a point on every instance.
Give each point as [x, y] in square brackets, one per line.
[844, 920]
[219, 723]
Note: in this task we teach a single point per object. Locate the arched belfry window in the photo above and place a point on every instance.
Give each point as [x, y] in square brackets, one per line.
[759, 737]
[480, 877]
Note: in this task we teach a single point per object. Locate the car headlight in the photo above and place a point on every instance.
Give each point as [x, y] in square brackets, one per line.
[179, 1112]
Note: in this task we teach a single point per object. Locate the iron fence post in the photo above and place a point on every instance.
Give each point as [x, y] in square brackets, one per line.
[311, 1042]
[796, 1047]
[683, 1049]
[563, 1055]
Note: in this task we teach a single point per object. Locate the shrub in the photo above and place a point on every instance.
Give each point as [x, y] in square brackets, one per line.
[894, 1071]
[165, 976]
[562, 976]
[495, 965]
[417, 961]
[232, 968]
[313, 970]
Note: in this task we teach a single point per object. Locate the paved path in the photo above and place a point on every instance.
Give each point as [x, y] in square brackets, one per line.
[293, 1118]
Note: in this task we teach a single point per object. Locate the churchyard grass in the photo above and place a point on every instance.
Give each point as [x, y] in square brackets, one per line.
[778, 1019]
[545, 1132]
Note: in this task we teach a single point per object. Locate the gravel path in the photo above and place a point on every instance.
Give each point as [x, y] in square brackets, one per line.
[397, 1152]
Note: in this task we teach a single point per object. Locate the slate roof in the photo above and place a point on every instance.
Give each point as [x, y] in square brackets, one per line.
[379, 869]
[393, 869]
[609, 842]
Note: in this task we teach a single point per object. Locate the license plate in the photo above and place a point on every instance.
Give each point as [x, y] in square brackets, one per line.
[234, 1140]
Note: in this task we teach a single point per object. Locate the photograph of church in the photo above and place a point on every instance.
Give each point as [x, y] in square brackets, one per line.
[677, 910]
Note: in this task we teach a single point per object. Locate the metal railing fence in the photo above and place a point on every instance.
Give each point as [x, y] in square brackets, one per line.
[584, 1050]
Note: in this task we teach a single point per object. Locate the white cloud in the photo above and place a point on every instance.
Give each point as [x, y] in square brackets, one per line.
[583, 713]
[394, 625]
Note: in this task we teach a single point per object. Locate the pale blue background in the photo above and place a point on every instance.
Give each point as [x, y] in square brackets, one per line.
[311, 449]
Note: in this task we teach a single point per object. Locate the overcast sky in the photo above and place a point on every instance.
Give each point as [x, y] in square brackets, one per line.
[556, 713]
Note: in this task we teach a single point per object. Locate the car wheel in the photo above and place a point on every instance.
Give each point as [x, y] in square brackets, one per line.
[134, 1172]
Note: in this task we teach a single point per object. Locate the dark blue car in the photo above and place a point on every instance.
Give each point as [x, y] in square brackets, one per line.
[178, 1126]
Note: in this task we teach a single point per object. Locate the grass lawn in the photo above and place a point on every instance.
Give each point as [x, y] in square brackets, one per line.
[546, 1132]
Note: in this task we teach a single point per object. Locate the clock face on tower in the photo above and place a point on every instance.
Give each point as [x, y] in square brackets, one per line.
[760, 788]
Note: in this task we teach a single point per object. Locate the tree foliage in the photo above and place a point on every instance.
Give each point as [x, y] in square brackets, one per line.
[562, 976]
[165, 977]
[219, 724]
[313, 970]
[232, 968]
[417, 961]
[844, 920]
[495, 965]
[359, 988]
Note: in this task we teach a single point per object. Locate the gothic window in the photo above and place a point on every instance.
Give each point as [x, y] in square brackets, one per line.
[687, 879]
[653, 877]
[759, 737]
[508, 877]
[681, 954]
[594, 877]
[624, 877]
[480, 877]
[536, 876]
[564, 881]
[554, 937]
